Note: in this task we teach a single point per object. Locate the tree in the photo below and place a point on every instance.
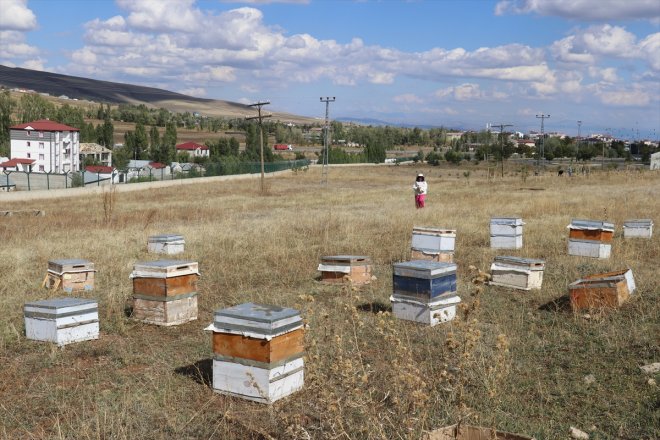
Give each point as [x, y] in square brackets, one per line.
[167, 149]
[33, 107]
[252, 145]
[7, 106]
[154, 138]
[105, 133]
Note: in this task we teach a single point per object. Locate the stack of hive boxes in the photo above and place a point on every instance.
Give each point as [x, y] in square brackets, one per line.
[165, 292]
[424, 291]
[609, 289]
[590, 238]
[435, 244]
[642, 228]
[506, 233]
[62, 320]
[258, 352]
[70, 275]
[340, 268]
[517, 273]
[169, 244]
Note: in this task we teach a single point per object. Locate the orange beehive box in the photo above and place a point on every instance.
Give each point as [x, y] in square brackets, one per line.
[338, 268]
[603, 292]
[595, 230]
[276, 349]
[165, 286]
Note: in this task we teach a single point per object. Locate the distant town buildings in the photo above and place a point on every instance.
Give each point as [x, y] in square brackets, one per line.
[43, 146]
[193, 149]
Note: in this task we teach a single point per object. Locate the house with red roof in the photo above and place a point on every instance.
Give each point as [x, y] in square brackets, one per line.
[193, 149]
[45, 146]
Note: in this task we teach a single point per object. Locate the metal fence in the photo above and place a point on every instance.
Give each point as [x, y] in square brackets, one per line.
[29, 181]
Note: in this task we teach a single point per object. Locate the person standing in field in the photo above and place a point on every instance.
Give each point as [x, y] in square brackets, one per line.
[420, 187]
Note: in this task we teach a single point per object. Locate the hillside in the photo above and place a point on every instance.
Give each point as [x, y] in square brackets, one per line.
[116, 93]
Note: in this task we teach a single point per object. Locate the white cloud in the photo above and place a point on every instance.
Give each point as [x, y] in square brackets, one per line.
[14, 47]
[408, 98]
[637, 97]
[162, 14]
[34, 64]
[603, 74]
[266, 2]
[583, 9]
[650, 47]
[16, 16]
[469, 92]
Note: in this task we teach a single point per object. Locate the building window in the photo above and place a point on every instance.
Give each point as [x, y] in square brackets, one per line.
[29, 133]
[41, 157]
[28, 143]
[41, 168]
[41, 145]
[41, 134]
[29, 156]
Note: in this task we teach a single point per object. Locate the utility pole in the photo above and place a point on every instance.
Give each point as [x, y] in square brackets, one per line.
[577, 143]
[258, 105]
[326, 146]
[542, 117]
[502, 141]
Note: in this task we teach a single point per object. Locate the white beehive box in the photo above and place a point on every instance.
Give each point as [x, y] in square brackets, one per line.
[428, 240]
[258, 352]
[428, 313]
[169, 244]
[506, 233]
[517, 273]
[589, 248]
[62, 320]
[642, 228]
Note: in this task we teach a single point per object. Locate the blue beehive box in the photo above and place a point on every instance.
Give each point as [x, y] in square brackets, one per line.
[424, 280]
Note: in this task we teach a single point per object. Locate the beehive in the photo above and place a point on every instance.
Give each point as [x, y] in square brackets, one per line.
[165, 292]
[642, 228]
[169, 244]
[465, 432]
[340, 268]
[506, 233]
[430, 313]
[258, 352]
[70, 275]
[517, 273]
[590, 238]
[598, 292]
[626, 273]
[435, 244]
[62, 320]
[424, 281]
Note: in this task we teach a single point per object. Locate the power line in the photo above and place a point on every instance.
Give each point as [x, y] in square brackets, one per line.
[326, 128]
[259, 116]
[542, 117]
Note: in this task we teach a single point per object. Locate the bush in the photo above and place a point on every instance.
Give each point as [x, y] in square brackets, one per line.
[433, 158]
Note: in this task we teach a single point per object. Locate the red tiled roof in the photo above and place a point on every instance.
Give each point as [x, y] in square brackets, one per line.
[157, 165]
[191, 146]
[44, 125]
[99, 169]
[14, 162]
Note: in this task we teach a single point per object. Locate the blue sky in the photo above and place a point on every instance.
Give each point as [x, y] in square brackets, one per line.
[455, 63]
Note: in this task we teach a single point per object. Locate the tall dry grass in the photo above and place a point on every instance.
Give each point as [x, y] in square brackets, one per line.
[512, 360]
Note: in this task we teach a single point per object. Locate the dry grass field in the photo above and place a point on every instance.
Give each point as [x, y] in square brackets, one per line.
[518, 361]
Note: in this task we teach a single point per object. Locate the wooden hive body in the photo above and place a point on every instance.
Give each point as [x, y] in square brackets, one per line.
[440, 257]
[258, 352]
[506, 233]
[626, 273]
[62, 320]
[594, 230]
[165, 292]
[428, 240]
[465, 432]
[589, 248]
[425, 281]
[169, 244]
[341, 268]
[428, 313]
[639, 228]
[70, 275]
[598, 293]
[517, 273]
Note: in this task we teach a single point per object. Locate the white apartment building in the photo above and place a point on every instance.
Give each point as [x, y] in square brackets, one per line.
[54, 147]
